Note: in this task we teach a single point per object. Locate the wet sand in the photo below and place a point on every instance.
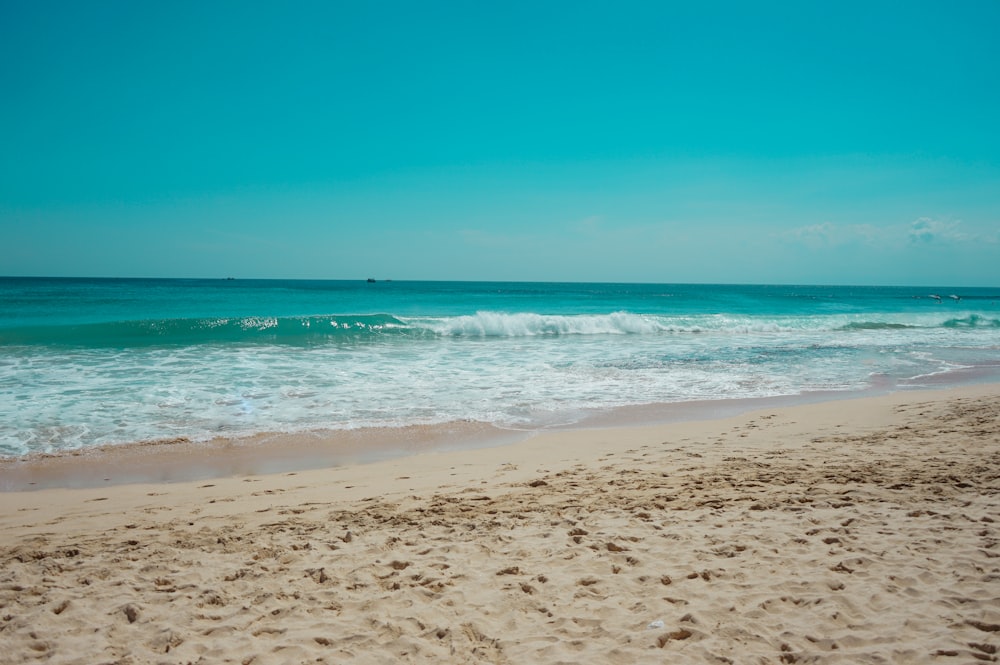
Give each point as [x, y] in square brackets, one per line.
[843, 532]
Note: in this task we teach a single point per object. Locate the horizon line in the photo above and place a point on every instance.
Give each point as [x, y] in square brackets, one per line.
[491, 281]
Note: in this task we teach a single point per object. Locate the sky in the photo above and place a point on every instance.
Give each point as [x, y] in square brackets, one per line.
[706, 142]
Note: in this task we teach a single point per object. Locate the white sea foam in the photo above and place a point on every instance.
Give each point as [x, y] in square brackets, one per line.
[529, 324]
[201, 373]
[526, 377]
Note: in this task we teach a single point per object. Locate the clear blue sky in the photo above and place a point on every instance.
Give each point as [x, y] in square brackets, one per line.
[774, 142]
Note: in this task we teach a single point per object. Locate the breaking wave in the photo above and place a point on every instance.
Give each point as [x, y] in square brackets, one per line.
[310, 330]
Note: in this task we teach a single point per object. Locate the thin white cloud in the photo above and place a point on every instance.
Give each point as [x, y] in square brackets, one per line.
[828, 234]
[921, 231]
[927, 230]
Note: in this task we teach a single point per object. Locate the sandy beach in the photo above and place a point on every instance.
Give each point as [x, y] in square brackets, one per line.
[852, 531]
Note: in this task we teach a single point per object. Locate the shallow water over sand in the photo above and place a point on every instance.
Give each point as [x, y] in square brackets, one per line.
[88, 363]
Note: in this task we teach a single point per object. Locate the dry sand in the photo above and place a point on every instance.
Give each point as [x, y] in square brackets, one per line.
[860, 531]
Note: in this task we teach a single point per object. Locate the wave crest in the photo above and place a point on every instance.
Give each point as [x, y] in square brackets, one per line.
[222, 330]
[972, 321]
[306, 330]
[529, 324]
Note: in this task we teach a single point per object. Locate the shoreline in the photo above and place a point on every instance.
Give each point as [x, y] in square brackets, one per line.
[184, 460]
[179, 462]
[861, 530]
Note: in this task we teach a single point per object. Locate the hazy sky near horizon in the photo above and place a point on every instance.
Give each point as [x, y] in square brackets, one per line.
[764, 142]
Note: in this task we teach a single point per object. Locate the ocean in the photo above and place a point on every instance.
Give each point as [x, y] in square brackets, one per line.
[91, 362]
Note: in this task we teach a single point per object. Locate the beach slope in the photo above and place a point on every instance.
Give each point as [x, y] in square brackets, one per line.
[855, 531]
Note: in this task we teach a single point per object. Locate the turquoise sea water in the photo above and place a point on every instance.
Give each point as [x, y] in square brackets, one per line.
[85, 362]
